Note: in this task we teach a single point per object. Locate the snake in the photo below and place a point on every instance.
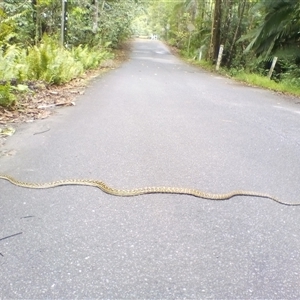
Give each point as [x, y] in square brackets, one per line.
[141, 191]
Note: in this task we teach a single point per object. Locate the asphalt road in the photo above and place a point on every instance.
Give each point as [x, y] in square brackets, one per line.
[155, 121]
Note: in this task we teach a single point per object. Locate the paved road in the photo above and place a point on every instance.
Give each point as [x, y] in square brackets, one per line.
[155, 121]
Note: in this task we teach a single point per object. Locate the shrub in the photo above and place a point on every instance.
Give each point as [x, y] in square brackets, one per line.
[47, 62]
[12, 63]
[7, 99]
[52, 63]
[89, 57]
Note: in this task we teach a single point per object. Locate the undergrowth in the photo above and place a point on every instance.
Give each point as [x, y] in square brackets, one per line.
[52, 64]
[7, 98]
[286, 85]
[90, 58]
[47, 62]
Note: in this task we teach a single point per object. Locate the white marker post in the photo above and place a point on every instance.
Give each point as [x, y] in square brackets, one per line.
[219, 57]
[272, 67]
[200, 55]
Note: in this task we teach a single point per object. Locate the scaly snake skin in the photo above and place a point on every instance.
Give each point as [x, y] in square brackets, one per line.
[141, 191]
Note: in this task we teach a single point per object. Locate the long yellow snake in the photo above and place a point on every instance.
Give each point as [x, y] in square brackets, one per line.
[140, 191]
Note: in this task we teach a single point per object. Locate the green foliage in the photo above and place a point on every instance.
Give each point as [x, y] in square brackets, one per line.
[89, 22]
[6, 28]
[205, 64]
[90, 58]
[80, 26]
[12, 63]
[159, 14]
[265, 26]
[291, 74]
[101, 22]
[51, 63]
[30, 31]
[48, 62]
[7, 98]
[171, 20]
[279, 27]
[116, 21]
[140, 25]
[286, 86]
[16, 17]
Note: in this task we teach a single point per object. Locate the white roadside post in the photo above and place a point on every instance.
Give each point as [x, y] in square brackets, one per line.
[219, 57]
[272, 67]
[200, 54]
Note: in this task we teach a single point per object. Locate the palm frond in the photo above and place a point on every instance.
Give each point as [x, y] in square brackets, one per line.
[280, 25]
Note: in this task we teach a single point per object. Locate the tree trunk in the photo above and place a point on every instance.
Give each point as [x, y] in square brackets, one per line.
[216, 31]
[242, 10]
[35, 20]
[226, 28]
[96, 16]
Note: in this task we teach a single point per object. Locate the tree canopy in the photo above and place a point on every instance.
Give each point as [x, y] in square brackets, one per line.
[88, 21]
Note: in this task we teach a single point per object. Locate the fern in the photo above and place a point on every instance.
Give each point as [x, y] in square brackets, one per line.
[51, 63]
[12, 64]
[48, 62]
[62, 67]
[7, 99]
[90, 57]
[33, 62]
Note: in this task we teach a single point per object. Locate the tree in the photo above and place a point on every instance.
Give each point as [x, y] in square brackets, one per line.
[237, 31]
[216, 31]
[90, 21]
[279, 27]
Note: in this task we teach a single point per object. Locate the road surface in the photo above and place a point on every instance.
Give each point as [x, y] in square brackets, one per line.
[155, 121]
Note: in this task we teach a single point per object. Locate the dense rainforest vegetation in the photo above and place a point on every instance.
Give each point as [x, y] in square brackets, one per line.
[57, 40]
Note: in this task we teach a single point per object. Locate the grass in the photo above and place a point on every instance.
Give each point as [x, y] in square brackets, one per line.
[286, 86]
[207, 65]
[262, 81]
[289, 86]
